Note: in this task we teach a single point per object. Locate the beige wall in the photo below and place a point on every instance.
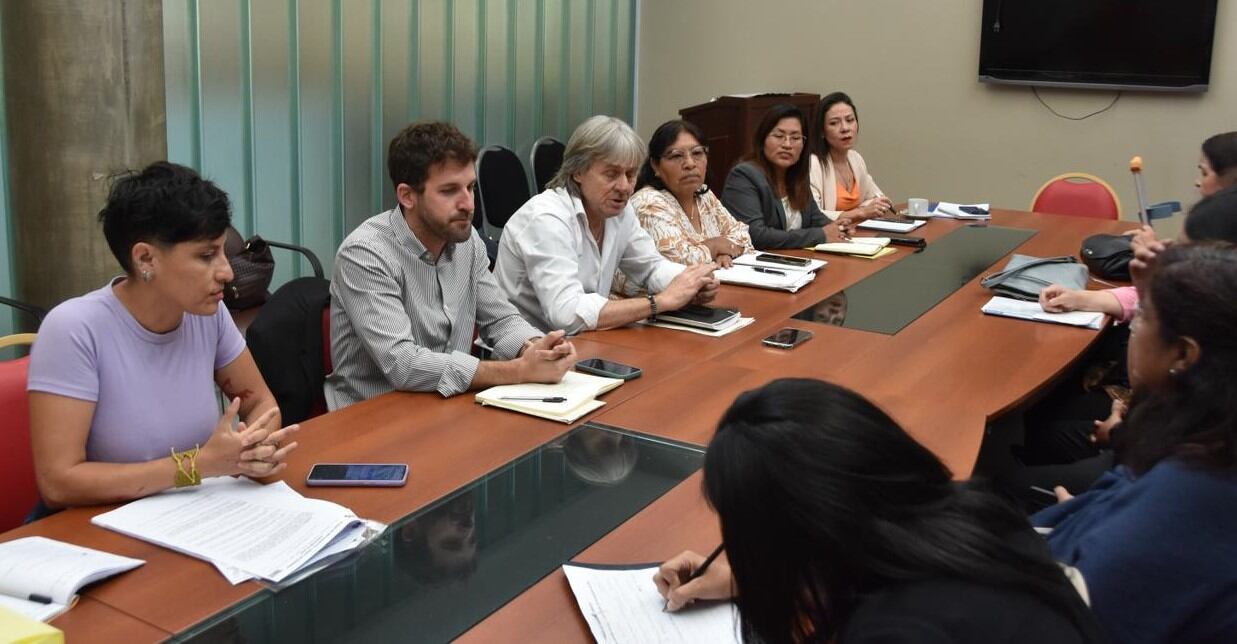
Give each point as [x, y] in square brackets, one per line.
[928, 127]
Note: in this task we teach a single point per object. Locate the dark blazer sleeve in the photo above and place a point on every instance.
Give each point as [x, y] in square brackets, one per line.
[815, 217]
[750, 199]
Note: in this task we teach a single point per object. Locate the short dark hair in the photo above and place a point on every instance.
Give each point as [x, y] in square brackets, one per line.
[664, 137]
[797, 189]
[1214, 218]
[1221, 153]
[1193, 290]
[823, 497]
[164, 204]
[819, 146]
[422, 145]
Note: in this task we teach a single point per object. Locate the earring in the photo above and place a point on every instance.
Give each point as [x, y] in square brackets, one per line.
[1172, 372]
[146, 276]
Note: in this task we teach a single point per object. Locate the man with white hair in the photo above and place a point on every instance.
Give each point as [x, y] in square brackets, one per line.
[559, 252]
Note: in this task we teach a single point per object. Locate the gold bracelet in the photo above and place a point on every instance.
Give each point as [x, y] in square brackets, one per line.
[187, 477]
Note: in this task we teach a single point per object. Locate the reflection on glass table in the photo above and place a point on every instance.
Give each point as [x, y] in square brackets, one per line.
[437, 572]
[895, 296]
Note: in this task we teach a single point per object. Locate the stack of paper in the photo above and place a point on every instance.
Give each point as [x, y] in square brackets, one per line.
[246, 529]
[954, 210]
[1011, 308]
[859, 246]
[892, 226]
[781, 279]
[761, 270]
[568, 400]
[621, 605]
[40, 577]
[768, 260]
[739, 323]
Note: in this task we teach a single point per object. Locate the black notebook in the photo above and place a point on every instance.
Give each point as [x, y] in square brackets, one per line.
[701, 317]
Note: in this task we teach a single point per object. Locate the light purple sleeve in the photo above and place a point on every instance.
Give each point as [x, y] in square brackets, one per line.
[1127, 297]
[231, 342]
[64, 360]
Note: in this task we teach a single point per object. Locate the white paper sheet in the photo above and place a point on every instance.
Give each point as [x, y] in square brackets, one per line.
[712, 334]
[1011, 308]
[228, 522]
[622, 605]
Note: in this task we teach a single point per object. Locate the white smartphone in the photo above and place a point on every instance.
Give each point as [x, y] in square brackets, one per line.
[788, 338]
[358, 474]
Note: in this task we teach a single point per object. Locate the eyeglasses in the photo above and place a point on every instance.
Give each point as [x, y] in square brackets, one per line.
[782, 137]
[679, 156]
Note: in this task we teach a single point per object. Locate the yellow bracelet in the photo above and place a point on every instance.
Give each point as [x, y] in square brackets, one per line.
[187, 477]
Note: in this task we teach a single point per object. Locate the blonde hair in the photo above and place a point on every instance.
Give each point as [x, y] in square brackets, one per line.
[596, 139]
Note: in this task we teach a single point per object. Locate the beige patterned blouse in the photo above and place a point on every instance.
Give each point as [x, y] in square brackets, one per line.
[677, 240]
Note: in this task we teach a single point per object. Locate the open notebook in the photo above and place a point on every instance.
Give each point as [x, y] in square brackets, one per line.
[861, 246]
[578, 391]
[40, 577]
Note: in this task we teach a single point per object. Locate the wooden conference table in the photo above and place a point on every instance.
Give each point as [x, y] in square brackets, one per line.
[942, 377]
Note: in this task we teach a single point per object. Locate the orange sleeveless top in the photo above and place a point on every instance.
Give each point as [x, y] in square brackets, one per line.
[848, 199]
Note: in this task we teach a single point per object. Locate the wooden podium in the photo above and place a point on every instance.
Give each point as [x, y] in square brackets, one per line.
[729, 123]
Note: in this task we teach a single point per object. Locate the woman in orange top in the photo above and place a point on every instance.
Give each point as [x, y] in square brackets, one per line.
[838, 176]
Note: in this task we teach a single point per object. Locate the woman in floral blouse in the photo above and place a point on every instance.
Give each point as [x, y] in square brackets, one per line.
[686, 220]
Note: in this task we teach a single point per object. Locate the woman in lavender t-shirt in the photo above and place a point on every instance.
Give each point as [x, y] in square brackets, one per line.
[125, 375]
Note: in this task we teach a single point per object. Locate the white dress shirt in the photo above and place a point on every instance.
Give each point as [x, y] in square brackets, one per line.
[551, 269]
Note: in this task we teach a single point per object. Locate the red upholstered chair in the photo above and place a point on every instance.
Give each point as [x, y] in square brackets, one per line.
[16, 461]
[1078, 194]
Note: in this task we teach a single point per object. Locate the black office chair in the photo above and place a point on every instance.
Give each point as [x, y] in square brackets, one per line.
[546, 158]
[502, 185]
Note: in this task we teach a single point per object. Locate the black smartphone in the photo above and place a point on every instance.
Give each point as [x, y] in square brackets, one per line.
[783, 259]
[972, 210]
[917, 242]
[608, 369]
[358, 474]
[787, 338]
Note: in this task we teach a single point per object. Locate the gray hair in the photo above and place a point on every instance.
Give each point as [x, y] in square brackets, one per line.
[599, 138]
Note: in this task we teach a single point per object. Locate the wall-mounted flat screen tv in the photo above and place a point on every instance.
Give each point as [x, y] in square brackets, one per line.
[1104, 44]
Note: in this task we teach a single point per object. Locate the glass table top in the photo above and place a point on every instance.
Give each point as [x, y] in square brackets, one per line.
[890, 299]
[435, 573]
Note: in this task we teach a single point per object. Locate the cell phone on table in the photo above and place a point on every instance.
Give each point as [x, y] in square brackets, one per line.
[972, 210]
[907, 240]
[787, 338]
[608, 369]
[786, 260]
[357, 474]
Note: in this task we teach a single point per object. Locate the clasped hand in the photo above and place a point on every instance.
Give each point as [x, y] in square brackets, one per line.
[547, 358]
[254, 449]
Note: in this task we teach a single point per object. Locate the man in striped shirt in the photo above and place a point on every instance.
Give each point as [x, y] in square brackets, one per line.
[410, 285]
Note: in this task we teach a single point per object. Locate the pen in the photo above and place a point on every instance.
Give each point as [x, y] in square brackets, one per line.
[700, 571]
[1036, 488]
[771, 271]
[42, 599]
[548, 399]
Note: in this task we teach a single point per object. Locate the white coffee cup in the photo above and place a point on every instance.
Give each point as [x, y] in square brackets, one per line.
[917, 207]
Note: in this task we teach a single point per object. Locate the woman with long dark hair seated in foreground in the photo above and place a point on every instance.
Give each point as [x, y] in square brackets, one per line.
[838, 526]
[1156, 537]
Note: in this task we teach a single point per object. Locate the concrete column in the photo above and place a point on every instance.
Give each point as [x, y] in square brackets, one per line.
[83, 89]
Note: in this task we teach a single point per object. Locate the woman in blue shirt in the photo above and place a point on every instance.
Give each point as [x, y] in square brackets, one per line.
[1156, 538]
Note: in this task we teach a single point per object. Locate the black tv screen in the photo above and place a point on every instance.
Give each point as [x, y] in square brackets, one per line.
[1109, 44]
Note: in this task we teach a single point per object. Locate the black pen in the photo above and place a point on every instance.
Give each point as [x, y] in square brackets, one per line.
[42, 599]
[549, 399]
[699, 571]
[771, 271]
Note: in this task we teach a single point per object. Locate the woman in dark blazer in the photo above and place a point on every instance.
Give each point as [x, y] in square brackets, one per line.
[769, 190]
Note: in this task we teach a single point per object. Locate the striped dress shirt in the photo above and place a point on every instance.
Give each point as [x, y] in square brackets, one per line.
[401, 321]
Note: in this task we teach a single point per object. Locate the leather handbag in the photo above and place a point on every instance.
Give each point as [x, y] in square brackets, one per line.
[253, 267]
[1024, 276]
[1108, 256]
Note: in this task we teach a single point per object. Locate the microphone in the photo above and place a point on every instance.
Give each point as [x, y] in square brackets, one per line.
[1136, 168]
